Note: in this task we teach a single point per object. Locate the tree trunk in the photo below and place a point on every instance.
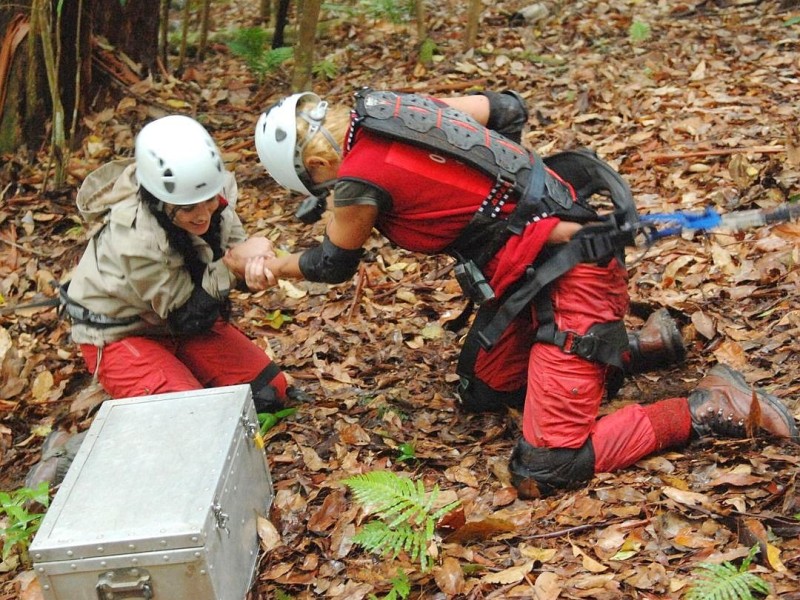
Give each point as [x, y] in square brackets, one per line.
[308, 16]
[474, 8]
[74, 35]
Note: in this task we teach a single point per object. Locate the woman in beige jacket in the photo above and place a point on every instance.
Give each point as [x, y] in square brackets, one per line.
[148, 300]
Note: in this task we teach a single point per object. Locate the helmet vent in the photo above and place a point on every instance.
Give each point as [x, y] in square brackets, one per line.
[280, 135]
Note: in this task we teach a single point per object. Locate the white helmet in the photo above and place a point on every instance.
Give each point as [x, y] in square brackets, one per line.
[276, 141]
[178, 162]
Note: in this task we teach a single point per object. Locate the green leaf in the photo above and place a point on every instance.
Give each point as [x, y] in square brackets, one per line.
[639, 32]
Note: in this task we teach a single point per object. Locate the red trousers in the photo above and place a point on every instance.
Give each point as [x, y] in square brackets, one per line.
[143, 366]
[564, 391]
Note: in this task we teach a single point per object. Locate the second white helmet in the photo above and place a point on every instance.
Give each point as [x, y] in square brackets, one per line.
[276, 141]
[178, 162]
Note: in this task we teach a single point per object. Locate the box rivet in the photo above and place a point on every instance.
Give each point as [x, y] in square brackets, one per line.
[101, 549]
[41, 569]
[135, 561]
[37, 555]
[194, 538]
[202, 571]
[46, 586]
[163, 542]
[132, 546]
[73, 566]
[70, 553]
[166, 558]
[103, 563]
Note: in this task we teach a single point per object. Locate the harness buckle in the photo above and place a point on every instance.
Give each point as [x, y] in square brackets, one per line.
[585, 346]
[473, 282]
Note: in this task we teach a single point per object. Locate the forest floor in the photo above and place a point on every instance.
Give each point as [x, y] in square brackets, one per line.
[694, 102]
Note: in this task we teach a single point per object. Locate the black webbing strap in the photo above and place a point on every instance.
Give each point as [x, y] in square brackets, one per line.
[531, 203]
[593, 243]
[469, 349]
[603, 343]
[83, 316]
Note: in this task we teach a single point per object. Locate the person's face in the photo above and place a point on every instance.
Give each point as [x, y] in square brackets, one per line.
[195, 218]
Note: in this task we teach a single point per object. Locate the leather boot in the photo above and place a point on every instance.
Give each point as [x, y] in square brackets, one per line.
[656, 345]
[723, 403]
[58, 452]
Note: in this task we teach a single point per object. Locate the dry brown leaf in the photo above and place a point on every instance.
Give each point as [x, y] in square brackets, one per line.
[312, 460]
[29, 586]
[704, 324]
[449, 576]
[511, 575]
[589, 563]
[268, 534]
[480, 530]
[547, 586]
[329, 513]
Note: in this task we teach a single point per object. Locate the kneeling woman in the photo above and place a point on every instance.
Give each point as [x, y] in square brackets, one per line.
[149, 300]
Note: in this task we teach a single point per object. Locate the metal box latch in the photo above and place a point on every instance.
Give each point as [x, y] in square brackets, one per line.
[124, 584]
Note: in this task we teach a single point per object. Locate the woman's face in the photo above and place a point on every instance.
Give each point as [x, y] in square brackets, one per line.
[195, 218]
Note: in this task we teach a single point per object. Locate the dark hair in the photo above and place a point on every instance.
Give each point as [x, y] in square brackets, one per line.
[180, 240]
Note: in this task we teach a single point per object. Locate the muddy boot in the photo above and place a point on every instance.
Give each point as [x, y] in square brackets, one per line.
[722, 402]
[656, 345]
[58, 452]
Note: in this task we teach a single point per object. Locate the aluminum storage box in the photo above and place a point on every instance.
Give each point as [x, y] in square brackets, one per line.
[160, 503]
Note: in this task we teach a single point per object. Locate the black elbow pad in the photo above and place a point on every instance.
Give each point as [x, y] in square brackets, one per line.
[508, 113]
[328, 263]
[196, 315]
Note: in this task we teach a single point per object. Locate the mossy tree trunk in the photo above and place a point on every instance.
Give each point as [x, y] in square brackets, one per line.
[62, 40]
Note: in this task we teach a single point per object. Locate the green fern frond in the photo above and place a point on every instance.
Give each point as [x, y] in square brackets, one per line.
[390, 496]
[726, 582]
[401, 588]
[407, 520]
[378, 537]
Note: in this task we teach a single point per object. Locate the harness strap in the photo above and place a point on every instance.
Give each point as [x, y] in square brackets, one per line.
[593, 243]
[603, 343]
[83, 316]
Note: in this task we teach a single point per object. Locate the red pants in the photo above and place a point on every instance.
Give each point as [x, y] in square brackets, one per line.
[564, 391]
[143, 366]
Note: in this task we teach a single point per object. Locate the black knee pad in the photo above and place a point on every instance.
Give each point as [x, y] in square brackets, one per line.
[539, 472]
[475, 396]
[265, 396]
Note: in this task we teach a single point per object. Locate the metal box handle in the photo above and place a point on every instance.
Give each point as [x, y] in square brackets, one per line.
[124, 583]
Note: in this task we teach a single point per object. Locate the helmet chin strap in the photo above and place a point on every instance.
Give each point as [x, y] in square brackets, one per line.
[315, 119]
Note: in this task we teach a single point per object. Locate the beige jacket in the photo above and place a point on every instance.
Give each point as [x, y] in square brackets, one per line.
[128, 271]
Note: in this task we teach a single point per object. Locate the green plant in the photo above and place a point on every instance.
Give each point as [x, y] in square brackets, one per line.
[268, 420]
[407, 518]
[20, 524]
[326, 69]
[426, 51]
[394, 11]
[406, 451]
[639, 32]
[251, 44]
[726, 582]
[401, 588]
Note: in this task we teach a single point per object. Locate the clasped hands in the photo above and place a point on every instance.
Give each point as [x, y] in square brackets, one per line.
[248, 261]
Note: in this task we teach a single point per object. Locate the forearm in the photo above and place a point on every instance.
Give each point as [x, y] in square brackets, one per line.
[285, 267]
